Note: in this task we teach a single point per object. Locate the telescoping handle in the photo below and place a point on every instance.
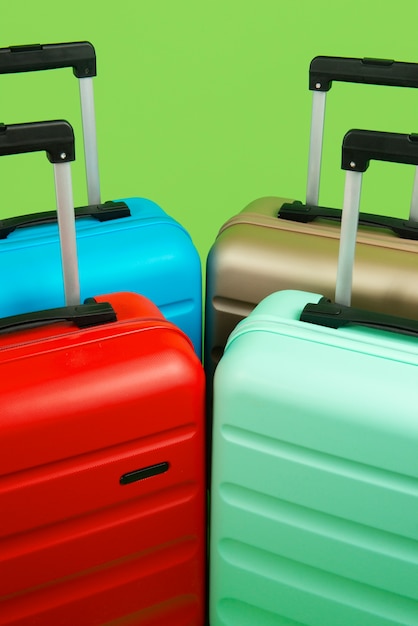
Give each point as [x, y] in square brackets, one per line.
[81, 57]
[358, 149]
[56, 138]
[322, 72]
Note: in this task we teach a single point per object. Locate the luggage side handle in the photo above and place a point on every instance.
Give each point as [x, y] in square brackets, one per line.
[81, 56]
[332, 315]
[298, 212]
[101, 212]
[56, 138]
[91, 313]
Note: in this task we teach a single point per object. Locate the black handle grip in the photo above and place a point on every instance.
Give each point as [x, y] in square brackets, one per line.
[101, 212]
[91, 313]
[327, 313]
[361, 146]
[79, 55]
[324, 69]
[305, 213]
[55, 137]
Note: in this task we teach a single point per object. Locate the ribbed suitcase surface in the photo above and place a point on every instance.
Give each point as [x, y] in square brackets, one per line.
[315, 474]
[102, 473]
[146, 252]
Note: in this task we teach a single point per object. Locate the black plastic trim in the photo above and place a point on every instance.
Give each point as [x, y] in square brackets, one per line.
[332, 315]
[325, 69]
[361, 146]
[80, 55]
[101, 212]
[91, 313]
[145, 472]
[55, 137]
[305, 213]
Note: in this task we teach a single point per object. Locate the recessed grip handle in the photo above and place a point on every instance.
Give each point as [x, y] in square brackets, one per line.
[79, 55]
[332, 315]
[55, 137]
[325, 69]
[91, 313]
[361, 146]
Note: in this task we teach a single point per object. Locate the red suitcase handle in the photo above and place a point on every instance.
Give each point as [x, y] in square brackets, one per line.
[81, 56]
[55, 137]
[91, 313]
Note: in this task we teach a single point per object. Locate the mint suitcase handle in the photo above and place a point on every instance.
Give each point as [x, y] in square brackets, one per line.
[361, 146]
[56, 138]
[358, 149]
[332, 315]
[324, 70]
[80, 56]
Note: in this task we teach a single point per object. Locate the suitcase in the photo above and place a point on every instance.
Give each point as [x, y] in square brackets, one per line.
[276, 243]
[102, 495]
[315, 468]
[129, 244]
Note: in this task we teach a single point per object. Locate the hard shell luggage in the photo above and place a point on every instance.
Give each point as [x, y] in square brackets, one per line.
[129, 244]
[276, 243]
[102, 493]
[315, 466]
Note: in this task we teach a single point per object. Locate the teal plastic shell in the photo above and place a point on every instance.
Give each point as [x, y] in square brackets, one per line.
[314, 506]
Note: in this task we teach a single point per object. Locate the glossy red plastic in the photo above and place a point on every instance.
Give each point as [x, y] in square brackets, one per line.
[82, 412]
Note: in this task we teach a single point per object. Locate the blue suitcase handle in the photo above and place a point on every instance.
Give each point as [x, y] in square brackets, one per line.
[55, 137]
[325, 69]
[101, 212]
[80, 56]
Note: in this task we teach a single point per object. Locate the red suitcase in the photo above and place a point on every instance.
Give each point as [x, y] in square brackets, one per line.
[102, 493]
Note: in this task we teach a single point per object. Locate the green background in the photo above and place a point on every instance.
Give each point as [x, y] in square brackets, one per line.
[204, 106]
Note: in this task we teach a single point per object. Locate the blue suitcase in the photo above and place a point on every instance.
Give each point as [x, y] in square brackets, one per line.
[130, 244]
[315, 451]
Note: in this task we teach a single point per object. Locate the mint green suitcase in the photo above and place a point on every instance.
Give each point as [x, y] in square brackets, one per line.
[314, 516]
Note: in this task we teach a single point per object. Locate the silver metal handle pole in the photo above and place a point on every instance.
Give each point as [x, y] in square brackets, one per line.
[315, 147]
[349, 225]
[413, 212]
[90, 139]
[66, 225]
